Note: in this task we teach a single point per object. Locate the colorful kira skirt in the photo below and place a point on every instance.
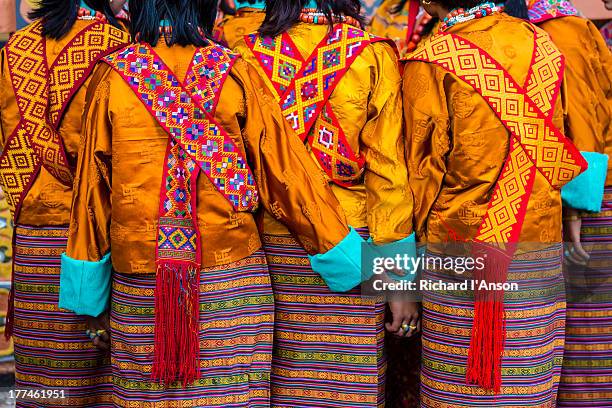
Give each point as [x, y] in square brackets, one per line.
[586, 379]
[52, 350]
[328, 347]
[236, 327]
[535, 324]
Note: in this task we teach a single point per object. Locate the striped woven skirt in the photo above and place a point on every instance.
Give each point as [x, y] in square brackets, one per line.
[535, 320]
[328, 347]
[51, 348]
[236, 324]
[586, 379]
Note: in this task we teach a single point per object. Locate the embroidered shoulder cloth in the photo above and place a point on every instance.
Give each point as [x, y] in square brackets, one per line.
[543, 10]
[43, 93]
[185, 110]
[535, 145]
[303, 88]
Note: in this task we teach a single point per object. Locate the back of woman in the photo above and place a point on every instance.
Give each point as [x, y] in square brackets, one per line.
[249, 15]
[588, 93]
[487, 158]
[44, 78]
[184, 141]
[340, 89]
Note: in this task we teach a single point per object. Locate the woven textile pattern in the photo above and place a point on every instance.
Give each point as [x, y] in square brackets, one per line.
[36, 85]
[542, 10]
[328, 347]
[525, 113]
[235, 339]
[197, 133]
[586, 378]
[76, 61]
[52, 350]
[303, 88]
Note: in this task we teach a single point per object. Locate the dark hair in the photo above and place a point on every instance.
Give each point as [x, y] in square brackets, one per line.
[517, 8]
[58, 16]
[281, 15]
[226, 9]
[192, 21]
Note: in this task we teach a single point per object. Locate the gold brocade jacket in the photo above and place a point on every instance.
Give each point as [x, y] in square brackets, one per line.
[246, 21]
[368, 105]
[48, 201]
[588, 80]
[122, 162]
[457, 145]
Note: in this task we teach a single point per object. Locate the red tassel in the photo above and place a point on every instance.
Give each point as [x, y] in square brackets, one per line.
[177, 346]
[489, 327]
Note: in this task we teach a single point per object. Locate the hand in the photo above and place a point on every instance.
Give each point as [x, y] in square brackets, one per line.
[101, 326]
[406, 318]
[572, 224]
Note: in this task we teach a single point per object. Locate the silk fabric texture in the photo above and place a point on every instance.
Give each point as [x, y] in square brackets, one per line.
[588, 80]
[458, 145]
[233, 28]
[298, 193]
[367, 103]
[48, 202]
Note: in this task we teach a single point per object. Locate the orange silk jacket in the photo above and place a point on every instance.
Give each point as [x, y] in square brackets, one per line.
[122, 161]
[368, 105]
[588, 79]
[456, 145]
[48, 201]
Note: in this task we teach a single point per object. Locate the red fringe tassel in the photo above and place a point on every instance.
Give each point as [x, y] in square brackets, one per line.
[177, 347]
[489, 327]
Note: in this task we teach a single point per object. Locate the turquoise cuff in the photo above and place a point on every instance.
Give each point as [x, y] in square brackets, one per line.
[258, 4]
[585, 192]
[340, 267]
[85, 286]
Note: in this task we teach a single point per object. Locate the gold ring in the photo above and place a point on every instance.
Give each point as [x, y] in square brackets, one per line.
[405, 326]
[100, 332]
[413, 327]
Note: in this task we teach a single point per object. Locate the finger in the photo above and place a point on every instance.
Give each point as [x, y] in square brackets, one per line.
[106, 323]
[411, 330]
[402, 330]
[396, 322]
[91, 325]
[580, 252]
[102, 345]
[573, 258]
[105, 337]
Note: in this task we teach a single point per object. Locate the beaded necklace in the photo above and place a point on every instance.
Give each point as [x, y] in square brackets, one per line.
[459, 15]
[415, 37]
[314, 16]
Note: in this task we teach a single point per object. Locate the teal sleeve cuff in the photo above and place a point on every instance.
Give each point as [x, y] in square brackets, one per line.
[85, 286]
[340, 267]
[585, 192]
